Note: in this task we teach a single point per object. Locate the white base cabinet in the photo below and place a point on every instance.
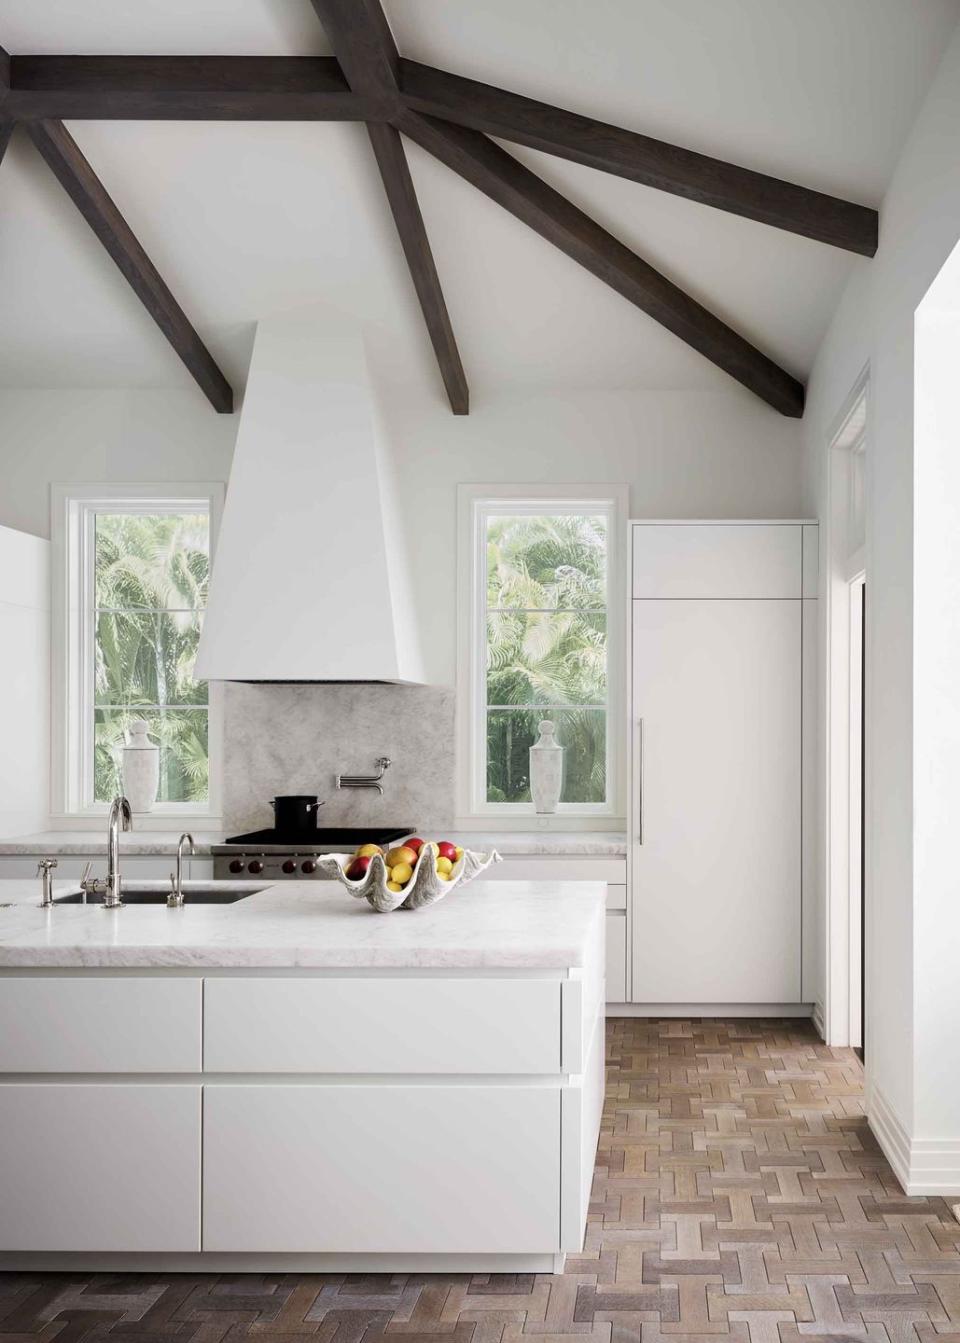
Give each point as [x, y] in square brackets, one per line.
[394, 1121]
[97, 1167]
[416, 1169]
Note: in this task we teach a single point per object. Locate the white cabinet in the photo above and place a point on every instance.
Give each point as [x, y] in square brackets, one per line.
[717, 764]
[403, 1169]
[384, 1025]
[122, 1024]
[98, 1167]
[616, 957]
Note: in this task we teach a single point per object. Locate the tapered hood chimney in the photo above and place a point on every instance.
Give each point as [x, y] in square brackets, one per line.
[309, 579]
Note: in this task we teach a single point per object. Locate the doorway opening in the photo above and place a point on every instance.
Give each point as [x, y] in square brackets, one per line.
[845, 1017]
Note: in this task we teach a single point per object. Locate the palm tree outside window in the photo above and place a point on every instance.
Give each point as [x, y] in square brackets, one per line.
[545, 643]
[131, 573]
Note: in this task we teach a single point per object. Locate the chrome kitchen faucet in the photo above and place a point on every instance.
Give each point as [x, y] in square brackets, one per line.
[109, 887]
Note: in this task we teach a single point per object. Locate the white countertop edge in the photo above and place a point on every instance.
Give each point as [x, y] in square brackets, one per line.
[91, 844]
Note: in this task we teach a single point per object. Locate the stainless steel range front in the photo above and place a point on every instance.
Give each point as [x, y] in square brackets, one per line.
[293, 857]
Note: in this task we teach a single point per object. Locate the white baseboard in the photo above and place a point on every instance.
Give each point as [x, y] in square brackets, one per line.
[709, 1009]
[924, 1166]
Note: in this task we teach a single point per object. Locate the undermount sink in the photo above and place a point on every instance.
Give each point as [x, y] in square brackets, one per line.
[194, 893]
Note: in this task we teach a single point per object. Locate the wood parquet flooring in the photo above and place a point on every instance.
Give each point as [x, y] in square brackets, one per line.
[739, 1197]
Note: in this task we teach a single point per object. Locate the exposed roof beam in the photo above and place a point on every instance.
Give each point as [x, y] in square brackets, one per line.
[667, 167]
[398, 185]
[364, 45]
[87, 192]
[205, 88]
[361, 37]
[550, 214]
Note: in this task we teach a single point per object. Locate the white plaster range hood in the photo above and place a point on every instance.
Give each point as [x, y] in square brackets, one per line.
[309, 578]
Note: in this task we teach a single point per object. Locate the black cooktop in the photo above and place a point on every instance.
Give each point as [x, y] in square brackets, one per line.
[306, 841]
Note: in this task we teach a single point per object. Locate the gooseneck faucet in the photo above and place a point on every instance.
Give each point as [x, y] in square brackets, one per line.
[175, 898]
[120, 817]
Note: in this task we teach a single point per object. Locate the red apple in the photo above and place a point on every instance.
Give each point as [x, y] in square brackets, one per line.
[415, 843]
[447, 850]
[358, 868]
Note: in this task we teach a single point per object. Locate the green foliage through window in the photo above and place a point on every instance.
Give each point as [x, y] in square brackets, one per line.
[151, 573]
[546, 654]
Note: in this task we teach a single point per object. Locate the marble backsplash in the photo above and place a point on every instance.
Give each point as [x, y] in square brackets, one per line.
[297, 738]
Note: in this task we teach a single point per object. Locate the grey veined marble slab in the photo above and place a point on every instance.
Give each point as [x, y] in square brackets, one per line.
[319, 925]
[93, 843]
[297, 738]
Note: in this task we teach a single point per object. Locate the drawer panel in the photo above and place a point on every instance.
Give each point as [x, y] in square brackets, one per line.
[382, 1025]
[90, 1025]
[401, 1169]
[616, 958]
[717, 560]
[518, 867]
[99, 1167]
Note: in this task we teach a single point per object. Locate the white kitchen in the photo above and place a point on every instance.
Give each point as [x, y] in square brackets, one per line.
[477, 536]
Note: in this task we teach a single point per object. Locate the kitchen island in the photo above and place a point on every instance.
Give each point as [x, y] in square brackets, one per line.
[294, 1081]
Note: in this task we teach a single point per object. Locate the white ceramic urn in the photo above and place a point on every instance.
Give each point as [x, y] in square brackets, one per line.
[546, 769]
[141, 767]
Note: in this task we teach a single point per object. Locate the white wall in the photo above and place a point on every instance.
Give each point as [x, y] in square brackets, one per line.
[683, 454]
[875, 323]
[25, 684]
[141, 436]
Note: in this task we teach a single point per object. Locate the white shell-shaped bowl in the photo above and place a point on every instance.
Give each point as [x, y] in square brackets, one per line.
[424, 888]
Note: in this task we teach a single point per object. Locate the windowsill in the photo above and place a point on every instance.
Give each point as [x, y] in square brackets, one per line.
[152, 820]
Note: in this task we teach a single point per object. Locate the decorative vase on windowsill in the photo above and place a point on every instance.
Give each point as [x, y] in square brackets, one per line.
[546, 769]
[141, 767]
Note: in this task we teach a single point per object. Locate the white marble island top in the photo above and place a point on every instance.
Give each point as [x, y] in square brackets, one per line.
[311, 925]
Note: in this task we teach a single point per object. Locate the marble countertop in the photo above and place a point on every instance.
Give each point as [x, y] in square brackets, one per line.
[317, 925]
[92, 844]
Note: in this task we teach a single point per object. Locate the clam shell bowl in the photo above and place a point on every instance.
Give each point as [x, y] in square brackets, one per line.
[424, 888]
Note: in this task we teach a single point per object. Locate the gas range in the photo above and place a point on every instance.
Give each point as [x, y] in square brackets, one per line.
[288, 857]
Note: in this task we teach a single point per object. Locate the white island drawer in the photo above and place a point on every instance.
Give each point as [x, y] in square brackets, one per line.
[100, 1025]
[374, 1025]
[405, 1169]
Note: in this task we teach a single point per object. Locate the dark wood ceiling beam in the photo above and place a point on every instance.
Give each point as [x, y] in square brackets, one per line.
[205, 88]
[496, 173]
[360, 35]
[398, 184]
[667, 167]
[87, 192]
[361, 38]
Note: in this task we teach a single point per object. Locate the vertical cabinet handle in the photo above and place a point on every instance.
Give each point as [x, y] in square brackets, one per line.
[638, 779]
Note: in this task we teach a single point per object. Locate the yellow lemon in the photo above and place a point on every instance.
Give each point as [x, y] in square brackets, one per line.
[458, 854]
[368, 850]
[394, 886]
[444, 865]
[444, 876]
[402, 873]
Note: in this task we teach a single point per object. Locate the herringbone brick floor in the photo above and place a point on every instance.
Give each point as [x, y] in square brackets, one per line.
[738, 1196]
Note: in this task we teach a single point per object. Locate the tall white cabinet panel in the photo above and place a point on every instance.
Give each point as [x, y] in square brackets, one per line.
[717, 559]
[405, 1168]
[716, 785]
[95, 1167]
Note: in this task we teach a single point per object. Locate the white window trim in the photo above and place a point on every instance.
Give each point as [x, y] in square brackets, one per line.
[71, 655]
[472, 808]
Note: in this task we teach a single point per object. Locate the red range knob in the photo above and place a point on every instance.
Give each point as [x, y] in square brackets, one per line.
[289, 865]
[236, 865]
[309, 866]
[255, 865]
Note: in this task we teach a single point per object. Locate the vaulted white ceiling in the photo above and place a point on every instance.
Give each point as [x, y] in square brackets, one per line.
[245, 219]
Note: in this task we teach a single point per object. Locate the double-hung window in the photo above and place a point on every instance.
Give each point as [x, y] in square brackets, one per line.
[541, 627]
[132, 572]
